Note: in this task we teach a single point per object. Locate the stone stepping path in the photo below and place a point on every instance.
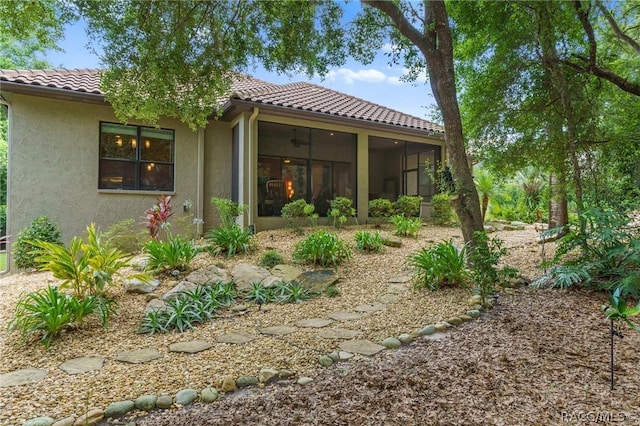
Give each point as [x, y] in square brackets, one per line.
[236, 338]
[348, 346]
[362, 347]
[22, 377]
[345, 316]
[388, 298]
[190, 347]
[338, 333]
[278, 330]
[82, 365]
[138, 356]
[314, 323]
[370, 308]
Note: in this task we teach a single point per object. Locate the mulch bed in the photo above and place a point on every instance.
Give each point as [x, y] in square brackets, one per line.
[539, 357]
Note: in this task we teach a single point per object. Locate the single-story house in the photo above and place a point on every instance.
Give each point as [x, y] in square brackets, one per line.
[69, 157]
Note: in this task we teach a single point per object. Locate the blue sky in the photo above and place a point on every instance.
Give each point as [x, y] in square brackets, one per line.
[376, 82]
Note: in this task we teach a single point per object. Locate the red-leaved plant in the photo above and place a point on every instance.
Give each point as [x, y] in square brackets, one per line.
[157, 217]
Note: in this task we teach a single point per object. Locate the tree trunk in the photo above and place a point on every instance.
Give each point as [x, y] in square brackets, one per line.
[558, 211]
[435, 42]
[485, 205]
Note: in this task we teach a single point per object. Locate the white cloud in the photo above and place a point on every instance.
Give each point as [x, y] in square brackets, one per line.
[350, 76]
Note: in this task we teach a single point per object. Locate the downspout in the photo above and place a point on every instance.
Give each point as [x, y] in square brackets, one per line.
[253, 164]
[3, 101]
[200, 179]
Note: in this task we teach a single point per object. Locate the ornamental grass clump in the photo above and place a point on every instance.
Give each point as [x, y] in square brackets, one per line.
[406, 226]
[322, 248]
[442, 264]
[174, 254]
[371, 242]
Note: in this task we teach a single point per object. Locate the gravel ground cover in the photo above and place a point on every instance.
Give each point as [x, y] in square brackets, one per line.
[363, 279]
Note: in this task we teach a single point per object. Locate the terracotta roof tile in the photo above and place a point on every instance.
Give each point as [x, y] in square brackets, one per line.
[303, 96]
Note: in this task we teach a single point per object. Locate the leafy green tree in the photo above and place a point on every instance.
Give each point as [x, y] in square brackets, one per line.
[154, 50]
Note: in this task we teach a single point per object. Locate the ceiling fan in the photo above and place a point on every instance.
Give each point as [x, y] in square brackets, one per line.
[296, 141]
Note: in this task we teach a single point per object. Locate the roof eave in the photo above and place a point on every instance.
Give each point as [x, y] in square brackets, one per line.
[324, 117]
[52, 92]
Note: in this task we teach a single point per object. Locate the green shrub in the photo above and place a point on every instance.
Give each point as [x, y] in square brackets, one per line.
[341, 210]
[408, 205]
[381, 208]
[270, 259]
[86, 267]
[441, 210]
[231, 240]
[175, 253]
[369, 241]
[440, 265]
[599, 250]
[40, 229]
[322, 248]
[406, 226]
[126, 236]
[297, 213]
[228, 211]
[484, 264]
[48, 311]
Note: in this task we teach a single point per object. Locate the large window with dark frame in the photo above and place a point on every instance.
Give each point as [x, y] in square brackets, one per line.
[136, 158]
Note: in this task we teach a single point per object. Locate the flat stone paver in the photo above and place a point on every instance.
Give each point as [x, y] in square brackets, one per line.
[362, 347]
[397, 288]
[345, 316]
[278, 330]
[22, 377]
[338, 333]
[388, 298]
[314, 323]
[236, 338]
[370, 308]
[401, 279]
[82, 364]
[190, 347]
[138, 356]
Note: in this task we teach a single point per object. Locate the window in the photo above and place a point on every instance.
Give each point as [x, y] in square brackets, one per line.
[419, 168]
[296, 162]
[136, 158]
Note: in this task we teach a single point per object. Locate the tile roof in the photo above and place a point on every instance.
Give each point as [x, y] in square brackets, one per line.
[301, 96]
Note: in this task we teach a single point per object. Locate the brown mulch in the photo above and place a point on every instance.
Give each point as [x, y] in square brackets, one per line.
[539, 357]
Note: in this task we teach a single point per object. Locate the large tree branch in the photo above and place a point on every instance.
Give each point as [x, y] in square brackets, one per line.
[583, 17]
[604, 73]
[392, 10]
[616, 28]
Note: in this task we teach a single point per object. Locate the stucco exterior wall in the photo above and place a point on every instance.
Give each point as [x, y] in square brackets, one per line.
[217, 168]
[53, 167]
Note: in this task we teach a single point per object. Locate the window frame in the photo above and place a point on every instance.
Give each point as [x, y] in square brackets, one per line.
[138, 161]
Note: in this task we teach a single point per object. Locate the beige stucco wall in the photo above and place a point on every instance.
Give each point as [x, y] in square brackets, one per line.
[217, 169]
[53, 167]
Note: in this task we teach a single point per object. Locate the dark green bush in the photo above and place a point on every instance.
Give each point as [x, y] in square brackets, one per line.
[484, 264]
[341, 210]
[441, 210]
[270, 259]
[40, 229]
[408, 205]
[380, 208]
[297, 213]
[322, 248]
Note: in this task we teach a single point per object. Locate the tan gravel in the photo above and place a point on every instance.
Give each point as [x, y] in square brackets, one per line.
[363, 279]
